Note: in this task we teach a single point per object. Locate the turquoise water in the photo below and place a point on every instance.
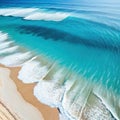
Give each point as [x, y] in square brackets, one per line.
[87, 46]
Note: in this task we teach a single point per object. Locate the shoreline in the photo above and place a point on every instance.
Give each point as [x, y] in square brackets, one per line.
[26, 91]
[81, 108]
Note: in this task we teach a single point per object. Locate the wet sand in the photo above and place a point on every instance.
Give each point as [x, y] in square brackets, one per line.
[26, 92]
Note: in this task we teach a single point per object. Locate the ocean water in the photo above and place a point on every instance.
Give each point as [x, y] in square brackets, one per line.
[71, 51]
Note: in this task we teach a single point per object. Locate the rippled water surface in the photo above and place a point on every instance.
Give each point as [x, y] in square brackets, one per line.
[83, 37]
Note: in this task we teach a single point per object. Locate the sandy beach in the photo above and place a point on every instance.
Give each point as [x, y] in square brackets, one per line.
[17, 101]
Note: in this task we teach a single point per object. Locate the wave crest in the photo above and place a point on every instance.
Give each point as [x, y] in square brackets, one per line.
[34, 14]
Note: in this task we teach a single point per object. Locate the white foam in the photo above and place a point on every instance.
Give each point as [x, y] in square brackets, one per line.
[32, 71]
[18, 12]
[78, 101]
[50, 91]
[75, 96]
[5, 45]
[95, 109]
[15, 59]
[9, 50]
[3, 37]
[58, 16]
[34, 14]
[4, 11]
[61, 117]
[111, 101]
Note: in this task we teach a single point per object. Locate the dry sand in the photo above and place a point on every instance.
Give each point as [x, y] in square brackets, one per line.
[17, 99]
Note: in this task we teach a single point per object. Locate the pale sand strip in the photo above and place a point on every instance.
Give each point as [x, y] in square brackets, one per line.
[13, 103]
[11, 96]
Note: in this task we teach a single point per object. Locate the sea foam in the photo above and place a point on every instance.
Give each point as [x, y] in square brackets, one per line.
[32, 72]
[3, 37]
[52, 85]
[57, 16]
[15, 59]
[9, 50]
[17, 12]
[5, 45]
[34, 14]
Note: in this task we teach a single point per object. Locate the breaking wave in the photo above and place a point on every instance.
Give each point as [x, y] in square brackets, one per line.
[34, 14]
[75, 97]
